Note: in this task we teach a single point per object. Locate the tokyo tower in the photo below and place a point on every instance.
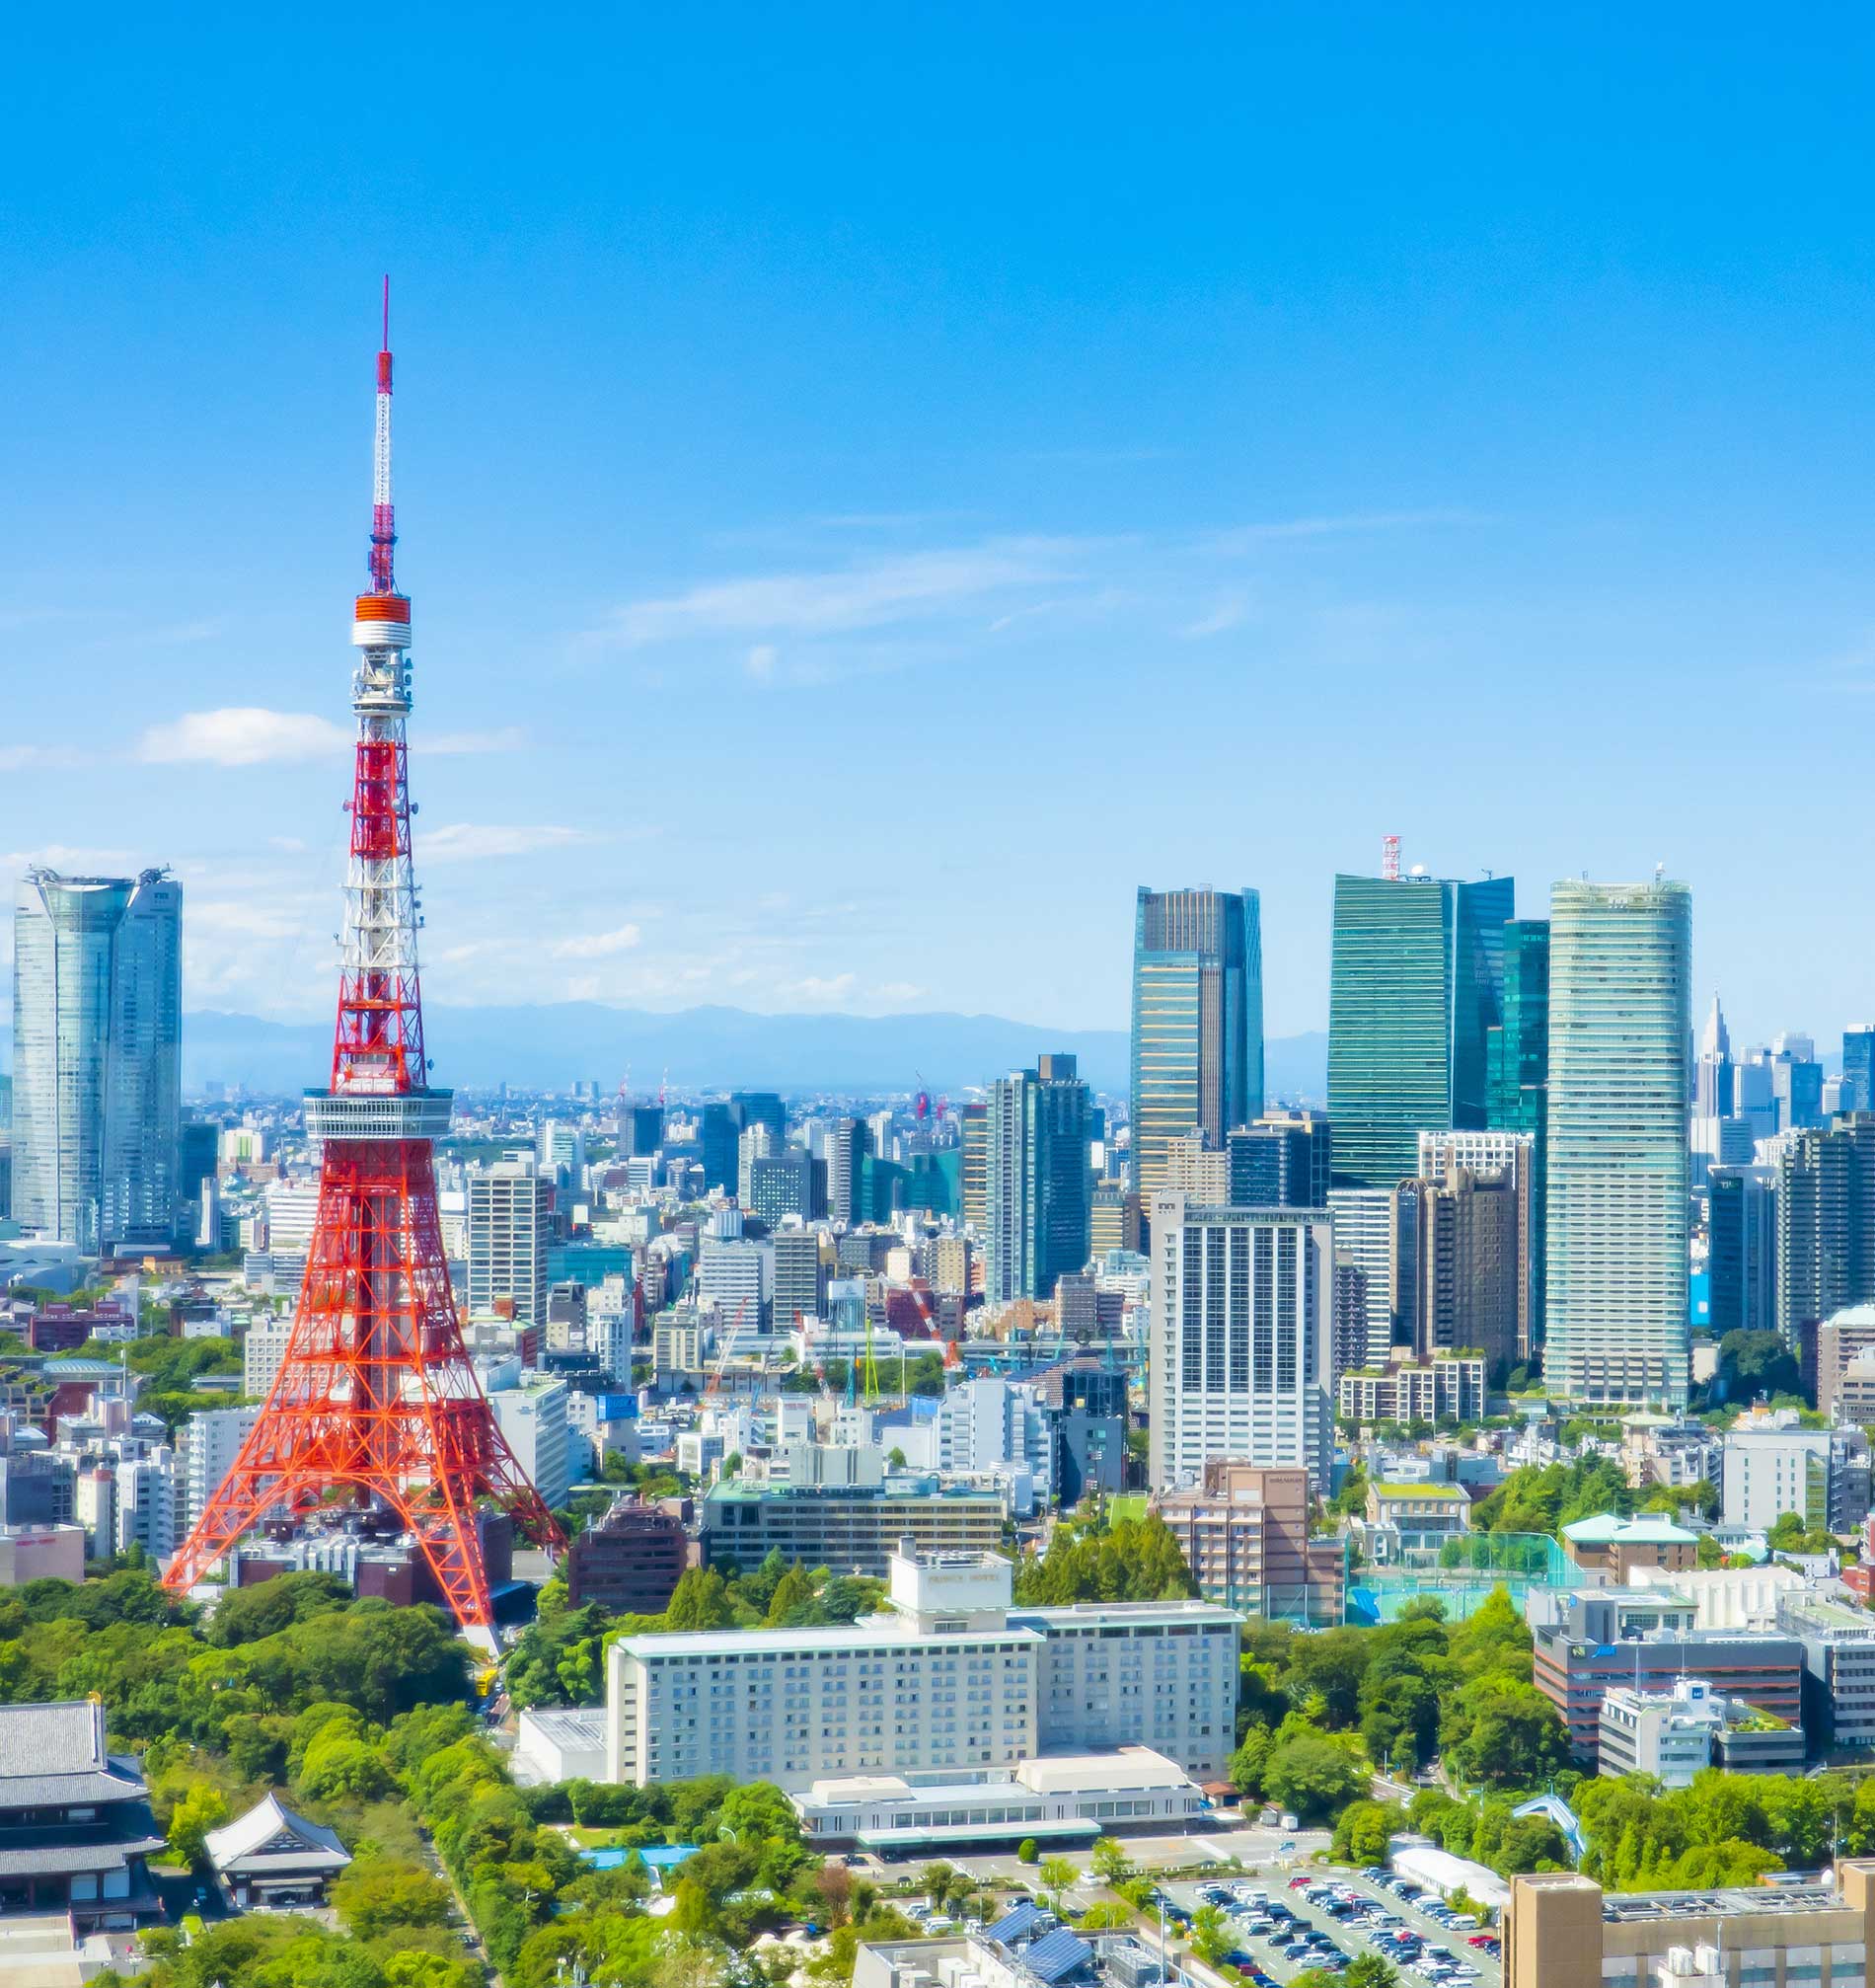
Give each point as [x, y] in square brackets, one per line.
[376, 1397]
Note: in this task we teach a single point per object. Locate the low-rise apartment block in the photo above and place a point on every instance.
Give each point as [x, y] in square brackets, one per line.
[851, 1528]
[1425, 1391]
[1244, 1534]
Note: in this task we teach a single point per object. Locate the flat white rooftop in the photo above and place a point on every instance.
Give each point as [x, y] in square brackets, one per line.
[893, 1632]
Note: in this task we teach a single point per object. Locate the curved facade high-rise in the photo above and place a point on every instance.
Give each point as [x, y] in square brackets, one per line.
[97, 1057]
[1620, 1024]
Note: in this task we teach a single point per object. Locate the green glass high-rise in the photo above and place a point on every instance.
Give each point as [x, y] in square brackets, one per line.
[1516, 1080]
[1417, 984]
[1197, 1047]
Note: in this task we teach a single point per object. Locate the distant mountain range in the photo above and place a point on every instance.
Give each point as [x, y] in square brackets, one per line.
[548, 1048]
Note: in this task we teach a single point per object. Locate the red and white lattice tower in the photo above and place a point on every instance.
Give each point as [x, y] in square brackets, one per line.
[376, 1395]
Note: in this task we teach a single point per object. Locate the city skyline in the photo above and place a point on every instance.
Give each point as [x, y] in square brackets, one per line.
[710, 491]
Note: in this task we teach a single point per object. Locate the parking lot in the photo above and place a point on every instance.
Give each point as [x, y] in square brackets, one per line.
[1346, 1918]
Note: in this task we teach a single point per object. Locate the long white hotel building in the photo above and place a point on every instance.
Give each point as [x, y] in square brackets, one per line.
[950, 1676]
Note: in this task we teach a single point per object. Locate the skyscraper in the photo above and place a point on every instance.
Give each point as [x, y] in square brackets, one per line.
[1517, 1076]
[1712, 1078]
[760, 1107]
[1416, 982]
[1239, 1361]
[847, 1145]
[1283, 1160]
[801, 1279]
[1619, 1023]
[1039, 1186]
[717, 1132]
[1858, 1067]
[1197, 1022]
[1741, 1249]
[973, 1137]
[1469, 1267]
[1511, 1158]
[1368, 1223]
[510, 1216]
[97, 1057]
[1825, 1223]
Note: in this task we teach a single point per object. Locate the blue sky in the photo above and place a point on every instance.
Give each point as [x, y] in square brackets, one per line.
[877, 485]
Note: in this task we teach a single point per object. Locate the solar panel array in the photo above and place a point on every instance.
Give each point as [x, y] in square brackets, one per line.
[1057, 1955]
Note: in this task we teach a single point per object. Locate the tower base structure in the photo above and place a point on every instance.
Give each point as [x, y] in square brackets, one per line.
[376, 1395]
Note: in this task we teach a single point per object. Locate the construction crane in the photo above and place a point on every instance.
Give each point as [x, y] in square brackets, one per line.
[714, 1384]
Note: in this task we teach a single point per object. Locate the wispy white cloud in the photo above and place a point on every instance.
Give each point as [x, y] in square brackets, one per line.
[874, 594]
[18, 759]
[1226, 614]
[1241, 538]
[240, 735]
[818, 990]
[182, 634]
[75, 861]
[760, 661]
[598, 944]
[472, 841]
[895, 991]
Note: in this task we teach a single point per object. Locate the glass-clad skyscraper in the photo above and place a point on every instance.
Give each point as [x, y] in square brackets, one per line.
[1517, 1082]
[1417, 983]
[97, 1057]
[1039, 1190]
[1621, 1019]
[1197, 1022]
[1858, 1067]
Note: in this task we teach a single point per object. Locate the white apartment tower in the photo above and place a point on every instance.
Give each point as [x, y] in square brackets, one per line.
[211, 1439]
[510, 1212]
[1239, 1362]
[261, 1352]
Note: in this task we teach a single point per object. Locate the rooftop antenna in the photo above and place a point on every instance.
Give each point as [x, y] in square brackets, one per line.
[1389, 858]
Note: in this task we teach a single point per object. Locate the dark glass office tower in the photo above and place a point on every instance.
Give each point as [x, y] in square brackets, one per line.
[1417, 983]
[1858, 1067]
[1197, 1022]
[1516, 1080]
[760, 1107]
[1280, 1161]
[1039, 1188]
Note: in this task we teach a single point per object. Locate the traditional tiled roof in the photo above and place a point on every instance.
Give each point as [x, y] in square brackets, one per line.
[270, 1837]
[54, 1755]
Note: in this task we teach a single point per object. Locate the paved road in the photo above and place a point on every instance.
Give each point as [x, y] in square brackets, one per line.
[1252, 1848]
